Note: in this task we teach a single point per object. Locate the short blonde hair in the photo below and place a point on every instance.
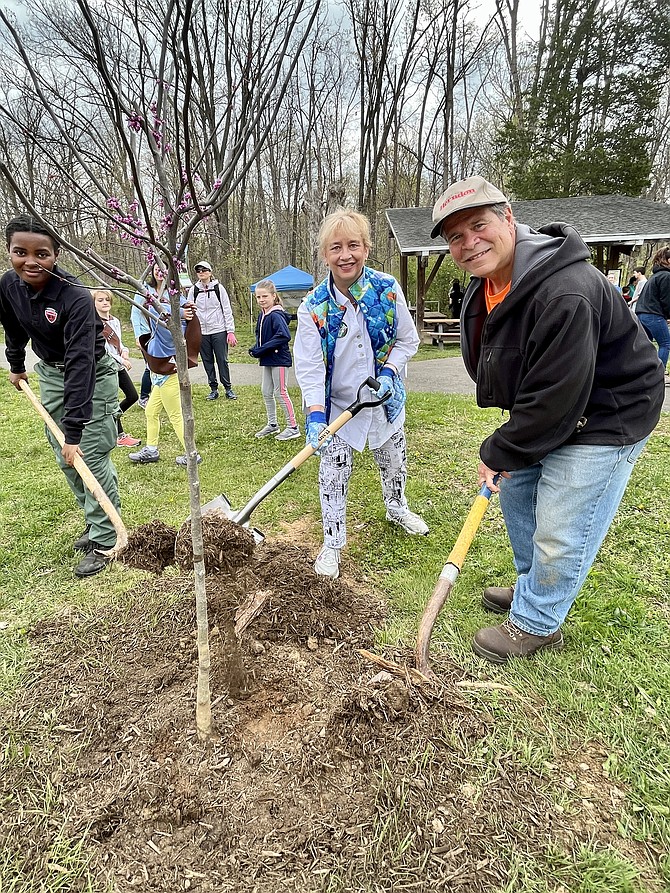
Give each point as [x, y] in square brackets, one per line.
[105, 292]
[268, 285]
[349, 223]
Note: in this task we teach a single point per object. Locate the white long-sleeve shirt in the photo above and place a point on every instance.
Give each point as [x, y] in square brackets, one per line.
[353, 362]
[115, 326]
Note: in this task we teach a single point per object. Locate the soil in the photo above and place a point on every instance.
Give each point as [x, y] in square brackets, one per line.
[323, 774]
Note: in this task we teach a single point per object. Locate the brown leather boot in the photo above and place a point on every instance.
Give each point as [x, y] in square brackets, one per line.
[499, 643]
[498, 599]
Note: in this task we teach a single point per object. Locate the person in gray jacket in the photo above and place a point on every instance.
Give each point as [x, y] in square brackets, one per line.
[548, 340]
[218, 328]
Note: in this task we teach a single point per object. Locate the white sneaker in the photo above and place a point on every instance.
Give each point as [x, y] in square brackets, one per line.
[268, 430]
[289, 434]
[410, 522]
[327, 563]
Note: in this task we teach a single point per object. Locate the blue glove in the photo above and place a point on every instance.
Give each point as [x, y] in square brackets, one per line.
[316, 422]
[396, 401]
[386, 379]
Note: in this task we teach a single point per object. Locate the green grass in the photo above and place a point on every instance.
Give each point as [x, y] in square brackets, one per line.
[603, 703]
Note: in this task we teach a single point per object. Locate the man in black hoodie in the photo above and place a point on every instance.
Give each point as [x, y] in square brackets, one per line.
[547, 339]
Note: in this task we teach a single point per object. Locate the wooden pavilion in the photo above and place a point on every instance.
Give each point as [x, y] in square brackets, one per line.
[611, 225]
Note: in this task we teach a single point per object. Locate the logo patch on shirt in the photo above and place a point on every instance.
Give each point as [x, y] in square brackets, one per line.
[51, 314]
[344, 328]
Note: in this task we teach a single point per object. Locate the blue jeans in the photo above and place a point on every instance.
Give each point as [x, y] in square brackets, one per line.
[557, 513]
[212, 346]
[657, 329]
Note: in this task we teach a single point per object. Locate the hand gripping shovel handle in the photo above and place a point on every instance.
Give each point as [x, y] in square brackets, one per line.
[85, 474]
[448, 577]
[242, 517]
[341, 420]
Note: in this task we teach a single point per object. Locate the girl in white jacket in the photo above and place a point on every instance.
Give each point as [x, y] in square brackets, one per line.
[115, 348]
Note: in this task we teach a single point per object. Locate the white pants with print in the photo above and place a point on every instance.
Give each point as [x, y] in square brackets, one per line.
[334, 473]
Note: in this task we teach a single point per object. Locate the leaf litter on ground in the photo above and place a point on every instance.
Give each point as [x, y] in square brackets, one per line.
[316, 776]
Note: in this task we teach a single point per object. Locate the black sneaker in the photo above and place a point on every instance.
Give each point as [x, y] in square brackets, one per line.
[213, 395]
[230, 394]
[94, 561]
[81, 544]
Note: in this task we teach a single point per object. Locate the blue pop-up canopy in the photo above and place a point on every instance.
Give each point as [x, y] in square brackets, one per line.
[289, 279]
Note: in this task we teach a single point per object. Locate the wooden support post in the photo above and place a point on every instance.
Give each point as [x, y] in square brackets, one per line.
[403, 273]
[613, 260]
[433, 273]
[421, 264]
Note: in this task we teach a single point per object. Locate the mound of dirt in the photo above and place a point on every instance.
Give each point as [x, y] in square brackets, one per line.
[323, 774]
[150, 547]
[227, 546]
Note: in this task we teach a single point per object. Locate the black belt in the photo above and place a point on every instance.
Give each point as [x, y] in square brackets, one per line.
[59, 366]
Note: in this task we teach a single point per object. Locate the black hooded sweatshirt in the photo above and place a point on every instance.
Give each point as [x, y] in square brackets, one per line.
[63, 326]
[655, 297]
[562, 353]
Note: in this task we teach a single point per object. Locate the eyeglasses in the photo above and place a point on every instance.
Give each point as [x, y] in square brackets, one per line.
[201, 270]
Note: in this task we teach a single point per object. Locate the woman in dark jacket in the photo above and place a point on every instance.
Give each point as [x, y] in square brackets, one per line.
[653, 307]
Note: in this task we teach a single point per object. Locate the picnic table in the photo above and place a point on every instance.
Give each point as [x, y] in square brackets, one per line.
[440, 329]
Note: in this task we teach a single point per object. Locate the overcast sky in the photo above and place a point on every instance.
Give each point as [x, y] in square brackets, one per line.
[529, 14]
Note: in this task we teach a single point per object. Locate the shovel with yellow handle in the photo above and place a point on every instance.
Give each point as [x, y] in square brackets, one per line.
[448, 577]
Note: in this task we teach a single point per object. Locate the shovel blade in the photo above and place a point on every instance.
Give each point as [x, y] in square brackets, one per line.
[221, 503]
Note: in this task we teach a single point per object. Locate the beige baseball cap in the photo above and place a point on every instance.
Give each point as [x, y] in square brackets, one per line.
[471, 193]
[205, 264]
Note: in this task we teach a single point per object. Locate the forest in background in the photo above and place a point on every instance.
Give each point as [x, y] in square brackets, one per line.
[236, 126]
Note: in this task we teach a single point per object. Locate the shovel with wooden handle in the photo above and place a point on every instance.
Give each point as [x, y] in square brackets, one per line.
[448, 577]
[242, 516]
[85, 474]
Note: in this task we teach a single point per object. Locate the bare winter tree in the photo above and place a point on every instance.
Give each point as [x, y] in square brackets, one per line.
[660, 147]
[378, 29]
[143, 126]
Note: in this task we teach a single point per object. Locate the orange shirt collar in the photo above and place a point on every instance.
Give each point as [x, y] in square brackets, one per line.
[494, 298]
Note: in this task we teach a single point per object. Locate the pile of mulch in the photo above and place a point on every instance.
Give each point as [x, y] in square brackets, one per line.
[227, 545]
[155, 546]
[150, 547]
[322, 775]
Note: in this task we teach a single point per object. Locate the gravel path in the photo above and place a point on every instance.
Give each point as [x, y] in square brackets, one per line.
[441, 376]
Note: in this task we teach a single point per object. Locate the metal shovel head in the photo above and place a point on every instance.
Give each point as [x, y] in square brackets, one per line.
[220, 503]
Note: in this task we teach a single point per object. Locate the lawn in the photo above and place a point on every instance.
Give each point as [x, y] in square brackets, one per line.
[588, 729]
